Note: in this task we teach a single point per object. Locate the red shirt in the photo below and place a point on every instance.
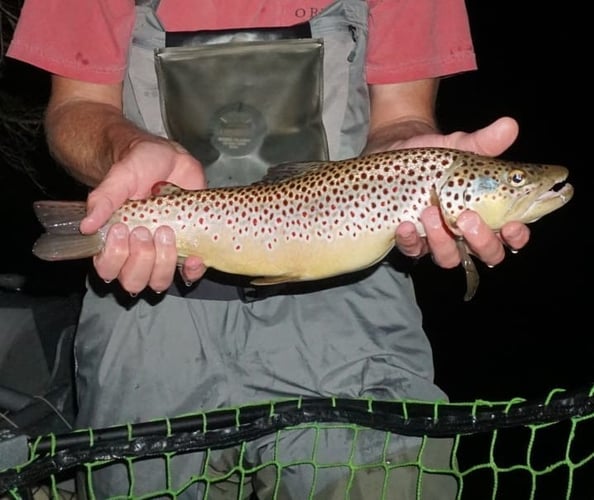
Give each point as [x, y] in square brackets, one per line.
[88, 39]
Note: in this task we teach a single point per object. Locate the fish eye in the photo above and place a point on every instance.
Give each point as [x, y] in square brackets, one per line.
[517, 177]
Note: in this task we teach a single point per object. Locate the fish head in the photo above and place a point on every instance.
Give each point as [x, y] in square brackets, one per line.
[502, 191]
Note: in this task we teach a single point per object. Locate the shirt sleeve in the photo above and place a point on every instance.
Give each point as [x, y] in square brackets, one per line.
[81, 39]
[88, 39]
[417, 39]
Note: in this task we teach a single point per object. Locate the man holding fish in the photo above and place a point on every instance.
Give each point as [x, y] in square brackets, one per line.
[123, 117]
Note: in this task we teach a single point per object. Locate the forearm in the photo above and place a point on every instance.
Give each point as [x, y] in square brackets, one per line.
[399, 112]
[87, 137]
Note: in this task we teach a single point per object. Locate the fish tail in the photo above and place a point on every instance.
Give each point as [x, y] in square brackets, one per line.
[63, 239]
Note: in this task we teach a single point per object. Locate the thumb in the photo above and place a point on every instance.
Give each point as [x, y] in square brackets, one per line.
[491, 140]
[188, 173]
[106, 198]
[100, 208]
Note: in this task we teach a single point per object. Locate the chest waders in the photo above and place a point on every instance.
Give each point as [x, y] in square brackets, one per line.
[148, 357]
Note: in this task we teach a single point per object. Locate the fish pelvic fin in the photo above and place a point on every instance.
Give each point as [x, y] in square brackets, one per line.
[275, 280]
[63, 239]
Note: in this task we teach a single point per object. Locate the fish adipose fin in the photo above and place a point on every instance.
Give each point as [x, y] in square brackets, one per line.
[62, 239]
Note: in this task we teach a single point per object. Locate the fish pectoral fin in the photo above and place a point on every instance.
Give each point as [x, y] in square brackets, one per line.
[275, 280]
[470, 270]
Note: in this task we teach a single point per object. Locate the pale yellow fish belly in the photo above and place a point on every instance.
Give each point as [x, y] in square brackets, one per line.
[294, 260]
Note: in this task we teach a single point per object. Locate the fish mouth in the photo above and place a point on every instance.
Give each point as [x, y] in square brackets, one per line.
[553, 196]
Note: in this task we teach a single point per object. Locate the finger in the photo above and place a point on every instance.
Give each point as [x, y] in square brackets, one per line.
[515, 235]
[408, 240]
[480, 238]
[441, 242]
[165, 259]
[136, 271]
[192, 269]
[110, 260]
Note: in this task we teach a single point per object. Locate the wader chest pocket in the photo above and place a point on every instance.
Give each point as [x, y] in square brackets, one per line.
[241, 106]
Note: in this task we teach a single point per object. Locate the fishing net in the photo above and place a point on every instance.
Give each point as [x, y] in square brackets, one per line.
[515, 449]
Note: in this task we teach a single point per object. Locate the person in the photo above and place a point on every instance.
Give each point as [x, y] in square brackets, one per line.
[150, 345]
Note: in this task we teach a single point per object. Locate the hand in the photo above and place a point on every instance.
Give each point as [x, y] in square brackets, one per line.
[137, 258]
[482, 241]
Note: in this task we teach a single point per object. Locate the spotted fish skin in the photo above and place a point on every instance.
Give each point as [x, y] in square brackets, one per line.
[315, 220]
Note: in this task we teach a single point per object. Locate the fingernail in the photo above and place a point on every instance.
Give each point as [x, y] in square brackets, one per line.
[142, 234]
[192, 267]
[513, 250]
[406, 234]
[432, 220]
[513, 233]
[133, 294]
[119, 232]
[166, 237]
[107, 282]
[468, 222]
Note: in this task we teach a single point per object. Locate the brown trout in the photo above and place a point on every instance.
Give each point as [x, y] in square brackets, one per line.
[307, 221]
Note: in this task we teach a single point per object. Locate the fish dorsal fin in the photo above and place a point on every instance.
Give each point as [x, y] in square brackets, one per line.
[164, 188]
[289, 170]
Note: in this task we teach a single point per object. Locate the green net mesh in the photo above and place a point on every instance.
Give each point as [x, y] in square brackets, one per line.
[514, 449]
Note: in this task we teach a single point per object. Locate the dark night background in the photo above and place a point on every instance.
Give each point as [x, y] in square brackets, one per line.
[527, 330]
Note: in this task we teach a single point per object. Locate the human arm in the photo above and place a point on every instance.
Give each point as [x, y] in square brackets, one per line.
[403, 116]
[88, 134]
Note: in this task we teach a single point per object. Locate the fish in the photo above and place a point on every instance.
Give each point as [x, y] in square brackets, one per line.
[312, 220]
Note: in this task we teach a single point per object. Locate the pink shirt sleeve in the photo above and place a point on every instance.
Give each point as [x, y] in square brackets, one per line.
[88, 39]
[416, 39]
[80, 39]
